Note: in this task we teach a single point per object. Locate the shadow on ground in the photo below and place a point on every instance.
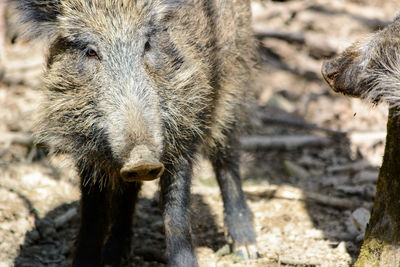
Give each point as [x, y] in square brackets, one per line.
[48, 245]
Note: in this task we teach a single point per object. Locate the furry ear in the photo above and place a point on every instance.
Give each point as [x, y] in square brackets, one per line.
[38, 18]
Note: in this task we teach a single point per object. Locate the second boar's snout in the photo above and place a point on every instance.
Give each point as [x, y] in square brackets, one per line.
[342, 73]
[141, 165]
[329, 72]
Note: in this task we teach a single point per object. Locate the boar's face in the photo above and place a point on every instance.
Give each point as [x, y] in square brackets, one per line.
[369, 69]
[123, 85]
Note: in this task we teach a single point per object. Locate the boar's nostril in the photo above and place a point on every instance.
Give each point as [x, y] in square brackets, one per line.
[156, 171]
[142, 164]
[143, 171]
[131, 175]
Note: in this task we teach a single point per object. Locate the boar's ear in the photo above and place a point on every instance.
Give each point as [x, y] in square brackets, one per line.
[37, 17]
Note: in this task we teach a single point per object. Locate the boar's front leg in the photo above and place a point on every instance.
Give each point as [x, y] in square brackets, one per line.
[94, 222]
[122, 210]
[175, 190]
[238, 217]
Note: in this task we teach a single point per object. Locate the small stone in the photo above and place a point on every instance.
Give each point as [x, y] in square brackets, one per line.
[341, 248]
[361, 218]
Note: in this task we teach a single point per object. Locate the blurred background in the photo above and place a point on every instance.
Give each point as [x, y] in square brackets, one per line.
[309, 163]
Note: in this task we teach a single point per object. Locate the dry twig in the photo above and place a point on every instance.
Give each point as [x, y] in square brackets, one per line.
[283, 142]
[298, 123]
[292, 193]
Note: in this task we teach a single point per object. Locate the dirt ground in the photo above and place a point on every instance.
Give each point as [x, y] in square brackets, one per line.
[309, 163]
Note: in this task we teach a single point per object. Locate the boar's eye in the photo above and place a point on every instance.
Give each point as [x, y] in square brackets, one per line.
[147, 46]
[91, 52]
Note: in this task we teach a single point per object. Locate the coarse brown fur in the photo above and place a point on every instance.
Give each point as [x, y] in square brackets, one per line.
[167, 75]
[206, 97]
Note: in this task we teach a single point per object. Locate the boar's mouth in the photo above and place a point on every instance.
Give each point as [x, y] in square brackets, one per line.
[141, 165]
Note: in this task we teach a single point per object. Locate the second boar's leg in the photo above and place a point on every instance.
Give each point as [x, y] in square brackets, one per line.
[237, 215]
[122, 210]
[175, 190]
[94, 222]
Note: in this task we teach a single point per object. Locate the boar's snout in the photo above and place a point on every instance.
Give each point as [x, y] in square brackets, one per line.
[141, 165]
[342, 74]
[329, 71]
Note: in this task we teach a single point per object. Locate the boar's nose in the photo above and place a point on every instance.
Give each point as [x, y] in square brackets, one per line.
[141, 165]
[342, 74]
[142, 171]
[329, 72]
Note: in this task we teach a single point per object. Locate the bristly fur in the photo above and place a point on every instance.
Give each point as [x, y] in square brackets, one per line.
[36, 18]
[381, 60]
[135, 87]
[202, 80]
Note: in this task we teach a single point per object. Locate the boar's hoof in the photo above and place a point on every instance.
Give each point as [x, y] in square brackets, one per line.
[247, 252]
